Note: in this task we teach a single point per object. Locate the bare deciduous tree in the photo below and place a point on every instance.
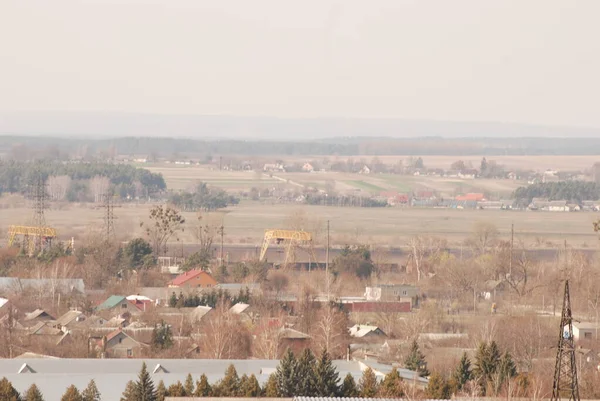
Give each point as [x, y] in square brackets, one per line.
[422, 249]
[99, 186]
[225, 337]
[165, 222]
[331, 331]
[58, 187]
[483, 238]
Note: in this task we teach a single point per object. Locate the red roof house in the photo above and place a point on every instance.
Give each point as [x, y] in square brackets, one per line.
[193, 279]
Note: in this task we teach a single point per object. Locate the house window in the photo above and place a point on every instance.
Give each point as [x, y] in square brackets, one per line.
[403, 292]
[129, 352]
[120, 340]
[587, 335]
[124, 306]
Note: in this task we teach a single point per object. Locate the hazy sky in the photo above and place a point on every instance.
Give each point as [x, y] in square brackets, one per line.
[519, 61]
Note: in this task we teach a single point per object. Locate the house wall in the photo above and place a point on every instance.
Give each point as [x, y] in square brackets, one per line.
[116, 349]
[201, 281]
[296, 345]
[126, 306]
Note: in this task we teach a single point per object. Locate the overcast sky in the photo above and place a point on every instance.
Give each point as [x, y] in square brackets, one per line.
[508, 61]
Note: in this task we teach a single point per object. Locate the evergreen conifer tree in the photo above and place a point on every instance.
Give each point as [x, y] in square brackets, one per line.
[505, 371]
[242, 384]
[7, 391]
[229, 385]
[305, 374]
[326, 376]
[33, 394]
[252, 387]
[392, 385]
[437, 388]
[463, 373]
[487, 361]
[368, 385]
[173, 300]
[72, 394]
[176, 390]
[415, 360]
[271, 387]
[189, 385]
[161, 391]
[130, 392]
[348, 389]
[202, 387]
[144, 387]
[91, 392]
[286, 375]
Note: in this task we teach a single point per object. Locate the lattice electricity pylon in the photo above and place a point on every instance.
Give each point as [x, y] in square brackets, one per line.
[565, 385]
[109, 216]
[39, 220]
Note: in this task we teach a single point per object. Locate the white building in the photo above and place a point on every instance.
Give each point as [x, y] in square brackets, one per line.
[585, 331]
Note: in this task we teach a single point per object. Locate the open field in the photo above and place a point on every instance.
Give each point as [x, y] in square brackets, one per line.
[537, 163]
[184, 177]
[245, 224]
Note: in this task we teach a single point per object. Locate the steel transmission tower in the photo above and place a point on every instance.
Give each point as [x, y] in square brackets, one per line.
[109, 216]
[39, 206]
[565, 372]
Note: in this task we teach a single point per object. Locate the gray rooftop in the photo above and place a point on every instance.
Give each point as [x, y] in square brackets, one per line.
[16, 285]
[53, 376]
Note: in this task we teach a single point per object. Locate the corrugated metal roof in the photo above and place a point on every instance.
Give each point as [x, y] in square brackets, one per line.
[53, 376]
[66, 285]
[111, 302]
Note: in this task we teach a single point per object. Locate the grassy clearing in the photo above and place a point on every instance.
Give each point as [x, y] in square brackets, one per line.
[379, 226]
[364, 185]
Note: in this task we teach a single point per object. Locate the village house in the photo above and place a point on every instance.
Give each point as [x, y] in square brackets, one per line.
[585, 331]
[119, 344]
[193, 279]
[468, 174]
[70, 319]
[393, 292]
[119, 304]
[295, 340]
[37, 316]
[274, 167]
[308, 168]
[365, 170]
[366, 331]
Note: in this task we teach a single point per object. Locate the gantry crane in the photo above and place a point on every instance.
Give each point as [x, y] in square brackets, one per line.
[33, 237]
[291, 239]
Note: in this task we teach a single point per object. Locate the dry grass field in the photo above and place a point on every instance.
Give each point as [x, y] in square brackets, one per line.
[537, 163]
[245, 223]
[184, 177]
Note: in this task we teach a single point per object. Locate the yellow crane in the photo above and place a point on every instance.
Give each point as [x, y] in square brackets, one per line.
[290, 238]
[31, 236]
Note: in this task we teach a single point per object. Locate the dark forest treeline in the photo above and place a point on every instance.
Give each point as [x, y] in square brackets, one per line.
[575, 191]
[166, 147]
[18, 176]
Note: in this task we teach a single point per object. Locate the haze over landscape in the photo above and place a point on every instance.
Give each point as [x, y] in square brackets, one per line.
[299, 200]
[66, 63]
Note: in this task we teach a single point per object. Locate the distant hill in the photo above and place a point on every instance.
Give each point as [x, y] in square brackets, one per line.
[111, 125]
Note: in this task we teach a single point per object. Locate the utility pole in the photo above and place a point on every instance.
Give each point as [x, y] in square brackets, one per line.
[222, 235]
[512, 244]
[565, 371]
[327, 262]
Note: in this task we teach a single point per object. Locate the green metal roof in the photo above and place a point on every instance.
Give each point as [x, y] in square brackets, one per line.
[111, 302]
